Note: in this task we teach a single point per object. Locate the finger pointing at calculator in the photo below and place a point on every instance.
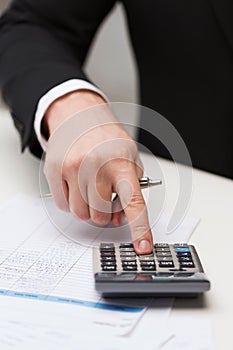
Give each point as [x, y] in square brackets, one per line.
[90, 156]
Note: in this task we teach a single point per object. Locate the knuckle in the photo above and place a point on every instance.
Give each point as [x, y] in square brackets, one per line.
[69, 165]
[137, 200]
[80, 215]
[101, 219]
[140, 230]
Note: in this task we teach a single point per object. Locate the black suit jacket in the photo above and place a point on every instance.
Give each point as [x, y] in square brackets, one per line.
[184, 51]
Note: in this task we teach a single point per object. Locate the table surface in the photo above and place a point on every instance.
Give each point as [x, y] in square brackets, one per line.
[212, 201]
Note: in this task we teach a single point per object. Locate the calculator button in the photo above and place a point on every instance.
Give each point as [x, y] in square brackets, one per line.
[126, 245]
[128, 258]
[163, 254]
[182, 250]
[146, 257]
[162, 249]
[188, 264]
[108, 258]
[126, 249]
[106, 245]
[185, 258]
[129, 268]
[107, 254]
[183, 254]
[127, 254]
[161, 245]
[108, 263]
[107, 250]
[148, 268]
[166, 264]
[165, 258]
[129, 263]
[147, 263]
[180, 245]
[109, 268]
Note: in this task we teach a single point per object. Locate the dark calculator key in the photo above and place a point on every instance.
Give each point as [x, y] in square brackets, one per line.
[127, 254]
[183, 254]
[147, 263]
[128, 258]
[165, 258]
[163, 254]
[161, 245]
[108, 258]
[166, 264]
[129, 263]
[129, 268]
[126, 245]
[188, 264]
[162, 249]
[148, 268]
[107, 254]
[185, 258]
[108, 263]
[109, 268]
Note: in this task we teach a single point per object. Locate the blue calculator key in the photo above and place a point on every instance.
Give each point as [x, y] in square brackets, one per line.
[182, 250]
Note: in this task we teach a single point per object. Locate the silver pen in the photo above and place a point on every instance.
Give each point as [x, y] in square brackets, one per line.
[144, 182]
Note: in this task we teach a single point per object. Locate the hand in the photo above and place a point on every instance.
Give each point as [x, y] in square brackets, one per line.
[89, 157]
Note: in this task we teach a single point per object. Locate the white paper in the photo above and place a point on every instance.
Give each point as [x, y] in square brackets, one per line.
[26, 324]
[189, 333]
[46, 265]
[38, 262]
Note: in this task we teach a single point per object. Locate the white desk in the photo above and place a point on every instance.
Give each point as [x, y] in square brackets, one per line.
[212, 201]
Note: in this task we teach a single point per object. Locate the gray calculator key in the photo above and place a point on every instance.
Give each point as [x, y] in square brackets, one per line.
[126, 249]
[127, 253]
[162, 249]
[107, 245]
[108, 263]
[165, 258]
[146, 257]
[163, 254]
[128, 258]
[107, 254]
[161, 245]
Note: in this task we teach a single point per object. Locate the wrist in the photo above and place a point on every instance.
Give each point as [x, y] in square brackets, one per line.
[66, 106]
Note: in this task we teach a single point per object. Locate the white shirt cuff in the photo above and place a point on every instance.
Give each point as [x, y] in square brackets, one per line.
[53, 94]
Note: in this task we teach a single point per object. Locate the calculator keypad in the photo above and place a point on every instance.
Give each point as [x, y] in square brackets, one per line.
[108, 257]
[165, 257]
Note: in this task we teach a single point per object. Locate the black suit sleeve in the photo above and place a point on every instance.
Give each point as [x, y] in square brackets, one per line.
[42, 44]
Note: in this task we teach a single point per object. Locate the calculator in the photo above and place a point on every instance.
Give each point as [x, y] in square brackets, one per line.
[170, 270]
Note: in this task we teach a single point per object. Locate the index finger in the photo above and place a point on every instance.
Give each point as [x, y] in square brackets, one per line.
[129, 191]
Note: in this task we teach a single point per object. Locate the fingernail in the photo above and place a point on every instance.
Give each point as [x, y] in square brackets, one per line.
[144, 245]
